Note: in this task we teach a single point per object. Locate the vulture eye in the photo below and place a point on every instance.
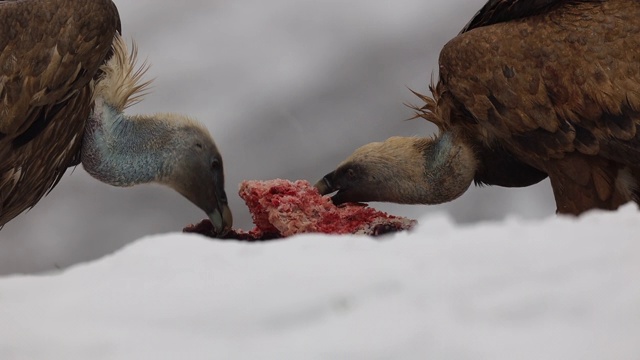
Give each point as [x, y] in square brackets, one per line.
[216, 164]
[351, 174]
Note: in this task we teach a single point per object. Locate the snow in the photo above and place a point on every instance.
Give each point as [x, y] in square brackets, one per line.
[322, 78]
[557, 288]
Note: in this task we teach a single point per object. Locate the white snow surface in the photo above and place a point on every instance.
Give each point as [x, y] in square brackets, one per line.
[558, 288]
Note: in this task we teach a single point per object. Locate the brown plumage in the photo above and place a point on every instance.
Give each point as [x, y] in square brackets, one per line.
[49, 53]
[66, 77]
[528, 89]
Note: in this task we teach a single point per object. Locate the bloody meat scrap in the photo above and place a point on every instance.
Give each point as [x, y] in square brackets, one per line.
[282, 208]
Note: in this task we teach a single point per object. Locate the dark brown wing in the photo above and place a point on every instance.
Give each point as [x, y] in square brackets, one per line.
[49, 53]
[550, 86]
[50, 50]
[556, 85]
[497, 11]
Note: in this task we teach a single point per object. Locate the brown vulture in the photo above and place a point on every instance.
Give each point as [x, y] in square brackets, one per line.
[65, 78]
[528, 89]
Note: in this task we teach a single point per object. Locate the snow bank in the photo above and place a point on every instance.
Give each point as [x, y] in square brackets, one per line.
[558, 289]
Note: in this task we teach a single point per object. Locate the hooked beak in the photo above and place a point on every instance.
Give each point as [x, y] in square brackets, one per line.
[324, 186]
[327, 185]
[221, 217]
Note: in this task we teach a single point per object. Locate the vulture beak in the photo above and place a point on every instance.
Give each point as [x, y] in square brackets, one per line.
[208, 194]
[332, 183]
[324, 185]
[221, 217]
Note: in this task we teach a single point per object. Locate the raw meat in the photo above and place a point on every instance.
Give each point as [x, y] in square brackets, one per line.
[282, 208]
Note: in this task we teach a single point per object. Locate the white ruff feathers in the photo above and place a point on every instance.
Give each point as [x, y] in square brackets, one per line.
[121, 84]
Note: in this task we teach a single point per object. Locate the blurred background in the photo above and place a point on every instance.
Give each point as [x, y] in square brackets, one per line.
[288, 88]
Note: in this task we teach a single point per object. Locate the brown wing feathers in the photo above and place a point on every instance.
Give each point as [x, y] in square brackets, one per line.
[547, 104]
[49, 53]
[497, 11]
[557, 92]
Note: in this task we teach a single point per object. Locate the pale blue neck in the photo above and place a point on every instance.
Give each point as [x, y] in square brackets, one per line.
[439, 155]
[450, 166]
[122, 150]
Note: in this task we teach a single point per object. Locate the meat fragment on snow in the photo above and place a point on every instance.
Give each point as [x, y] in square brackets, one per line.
[282, 208]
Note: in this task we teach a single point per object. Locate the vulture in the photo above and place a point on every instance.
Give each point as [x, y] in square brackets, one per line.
[529, 89]
[66, 77]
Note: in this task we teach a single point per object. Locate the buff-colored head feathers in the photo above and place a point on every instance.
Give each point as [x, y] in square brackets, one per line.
[122, 84]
